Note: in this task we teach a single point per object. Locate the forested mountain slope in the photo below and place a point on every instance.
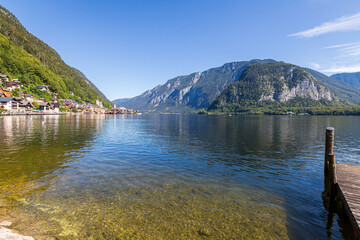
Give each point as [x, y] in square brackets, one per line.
[33, 62]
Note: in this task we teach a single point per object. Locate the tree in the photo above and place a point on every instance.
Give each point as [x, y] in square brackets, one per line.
[36, 104]
[15, 93]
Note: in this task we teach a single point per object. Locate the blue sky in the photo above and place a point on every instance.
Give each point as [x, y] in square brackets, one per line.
[127, 47]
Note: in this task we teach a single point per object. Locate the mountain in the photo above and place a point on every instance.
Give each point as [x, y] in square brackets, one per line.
[27, 58]
[350, 78]
[199, 90]
[82, 75]
[121, 101]
[190, 92]
[274, 85]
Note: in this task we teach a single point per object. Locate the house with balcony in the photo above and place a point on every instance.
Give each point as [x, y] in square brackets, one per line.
[25, 106]
[44, 106]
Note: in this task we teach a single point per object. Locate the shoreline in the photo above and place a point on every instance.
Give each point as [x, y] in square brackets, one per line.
[64, 113]
[28, 114]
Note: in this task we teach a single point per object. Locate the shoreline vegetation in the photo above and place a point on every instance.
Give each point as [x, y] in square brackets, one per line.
[335, 111]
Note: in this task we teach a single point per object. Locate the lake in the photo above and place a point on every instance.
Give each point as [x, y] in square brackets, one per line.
[171, 176]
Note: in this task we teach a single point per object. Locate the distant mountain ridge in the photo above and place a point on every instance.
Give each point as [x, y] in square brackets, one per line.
[341, 89]
[121, 101]
[349, 78]
[190, 92]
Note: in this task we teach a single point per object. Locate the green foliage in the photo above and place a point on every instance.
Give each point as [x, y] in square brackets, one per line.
[36, 104]
[63, 109]
[31, 88]
[74, 110]
[321, 110]
[297, 102]
[203, 112]
[33, 62]
[15, 93]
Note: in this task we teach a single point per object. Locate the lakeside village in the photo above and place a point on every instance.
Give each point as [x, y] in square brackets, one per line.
[25, 103]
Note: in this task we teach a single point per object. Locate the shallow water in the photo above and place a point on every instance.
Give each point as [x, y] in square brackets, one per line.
[170, 176]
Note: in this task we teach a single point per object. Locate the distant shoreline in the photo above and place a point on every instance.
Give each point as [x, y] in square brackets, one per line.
[28, 114]
[64, 113]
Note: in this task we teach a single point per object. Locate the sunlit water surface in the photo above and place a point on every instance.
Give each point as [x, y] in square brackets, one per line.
[170, 176]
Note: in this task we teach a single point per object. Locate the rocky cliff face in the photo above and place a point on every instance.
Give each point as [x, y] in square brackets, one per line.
[278, 83]
[308, 87]
[190, 92]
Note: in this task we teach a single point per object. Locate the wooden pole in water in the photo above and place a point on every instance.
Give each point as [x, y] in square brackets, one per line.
[329, 147]
[332, 177]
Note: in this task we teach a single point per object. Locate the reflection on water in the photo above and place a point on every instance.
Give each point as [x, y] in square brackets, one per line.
[169, 176]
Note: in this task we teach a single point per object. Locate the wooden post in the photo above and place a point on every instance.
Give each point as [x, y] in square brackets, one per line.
[332, 177]
[329, 147]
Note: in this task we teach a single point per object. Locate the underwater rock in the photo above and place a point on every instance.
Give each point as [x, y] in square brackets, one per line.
[10, 235]
[5, 223]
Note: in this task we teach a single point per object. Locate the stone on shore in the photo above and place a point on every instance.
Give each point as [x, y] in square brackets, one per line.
[7, 234]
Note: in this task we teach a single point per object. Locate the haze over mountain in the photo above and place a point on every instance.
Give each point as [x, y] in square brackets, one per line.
[27, 58]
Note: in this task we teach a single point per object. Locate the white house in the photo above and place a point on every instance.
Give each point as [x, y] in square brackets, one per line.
[6, 103]
[43, 88]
